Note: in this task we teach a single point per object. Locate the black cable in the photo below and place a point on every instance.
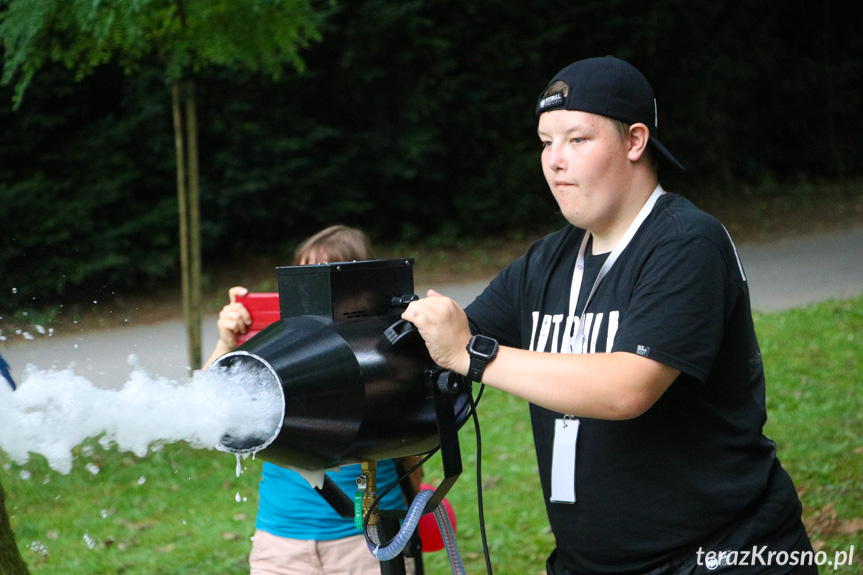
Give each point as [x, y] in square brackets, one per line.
[379, 497]
[473, 403]
[479, 479]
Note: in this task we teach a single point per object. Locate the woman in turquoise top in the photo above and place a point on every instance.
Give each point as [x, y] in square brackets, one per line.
[297, 532]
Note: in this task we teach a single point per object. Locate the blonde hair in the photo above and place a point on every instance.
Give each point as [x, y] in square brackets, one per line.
[334, 244]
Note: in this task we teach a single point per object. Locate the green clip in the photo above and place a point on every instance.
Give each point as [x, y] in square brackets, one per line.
[358, 502]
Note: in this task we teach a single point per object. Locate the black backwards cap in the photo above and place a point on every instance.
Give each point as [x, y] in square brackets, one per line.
[608, 87]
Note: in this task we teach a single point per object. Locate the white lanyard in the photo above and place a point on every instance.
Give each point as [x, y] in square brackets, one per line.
[566, 428]
[578, 272]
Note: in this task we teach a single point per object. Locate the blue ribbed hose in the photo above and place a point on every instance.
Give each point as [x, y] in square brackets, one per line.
[407, 529]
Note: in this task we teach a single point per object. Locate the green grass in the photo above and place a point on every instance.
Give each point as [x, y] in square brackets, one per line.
[184, 518]
[173, 512]
[814, 363]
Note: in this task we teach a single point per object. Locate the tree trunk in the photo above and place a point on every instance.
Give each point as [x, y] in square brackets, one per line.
[11, 562]
[194, 227]
[188, 204]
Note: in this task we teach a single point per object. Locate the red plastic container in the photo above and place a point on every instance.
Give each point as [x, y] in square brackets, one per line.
[264, 309]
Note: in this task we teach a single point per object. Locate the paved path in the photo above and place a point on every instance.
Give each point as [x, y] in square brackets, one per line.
[784, 274]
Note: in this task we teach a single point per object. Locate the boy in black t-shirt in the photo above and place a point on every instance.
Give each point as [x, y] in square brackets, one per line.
[630, 333]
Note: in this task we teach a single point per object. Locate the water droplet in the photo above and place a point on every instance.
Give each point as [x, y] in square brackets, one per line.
[91, 543]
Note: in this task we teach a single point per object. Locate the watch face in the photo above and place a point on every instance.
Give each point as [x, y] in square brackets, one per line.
[484, 346]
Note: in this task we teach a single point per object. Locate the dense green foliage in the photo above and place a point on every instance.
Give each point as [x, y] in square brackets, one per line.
[184, 517]
[177, 38]
[414, 120]
[184, 36]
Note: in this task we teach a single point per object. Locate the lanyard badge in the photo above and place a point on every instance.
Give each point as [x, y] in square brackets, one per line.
[563, 460]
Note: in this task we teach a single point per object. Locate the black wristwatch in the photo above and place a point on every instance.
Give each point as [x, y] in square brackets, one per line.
[482, 349]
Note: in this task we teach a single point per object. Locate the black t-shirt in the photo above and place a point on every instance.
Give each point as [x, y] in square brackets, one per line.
[650, 488]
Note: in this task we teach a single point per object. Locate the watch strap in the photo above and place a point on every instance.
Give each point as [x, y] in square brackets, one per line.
[477, 367]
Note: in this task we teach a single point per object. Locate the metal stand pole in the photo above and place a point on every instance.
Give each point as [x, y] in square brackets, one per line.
[388, 528]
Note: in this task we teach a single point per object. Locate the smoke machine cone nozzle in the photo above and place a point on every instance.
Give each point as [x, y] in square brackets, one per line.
[348, 394]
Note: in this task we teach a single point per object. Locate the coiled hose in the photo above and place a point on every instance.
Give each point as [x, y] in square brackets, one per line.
[415, 511]
[407, 529]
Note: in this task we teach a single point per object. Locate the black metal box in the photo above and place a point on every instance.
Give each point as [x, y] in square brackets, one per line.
[342, 291]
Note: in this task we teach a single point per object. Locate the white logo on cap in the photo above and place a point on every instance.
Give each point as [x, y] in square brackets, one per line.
[553, 100]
